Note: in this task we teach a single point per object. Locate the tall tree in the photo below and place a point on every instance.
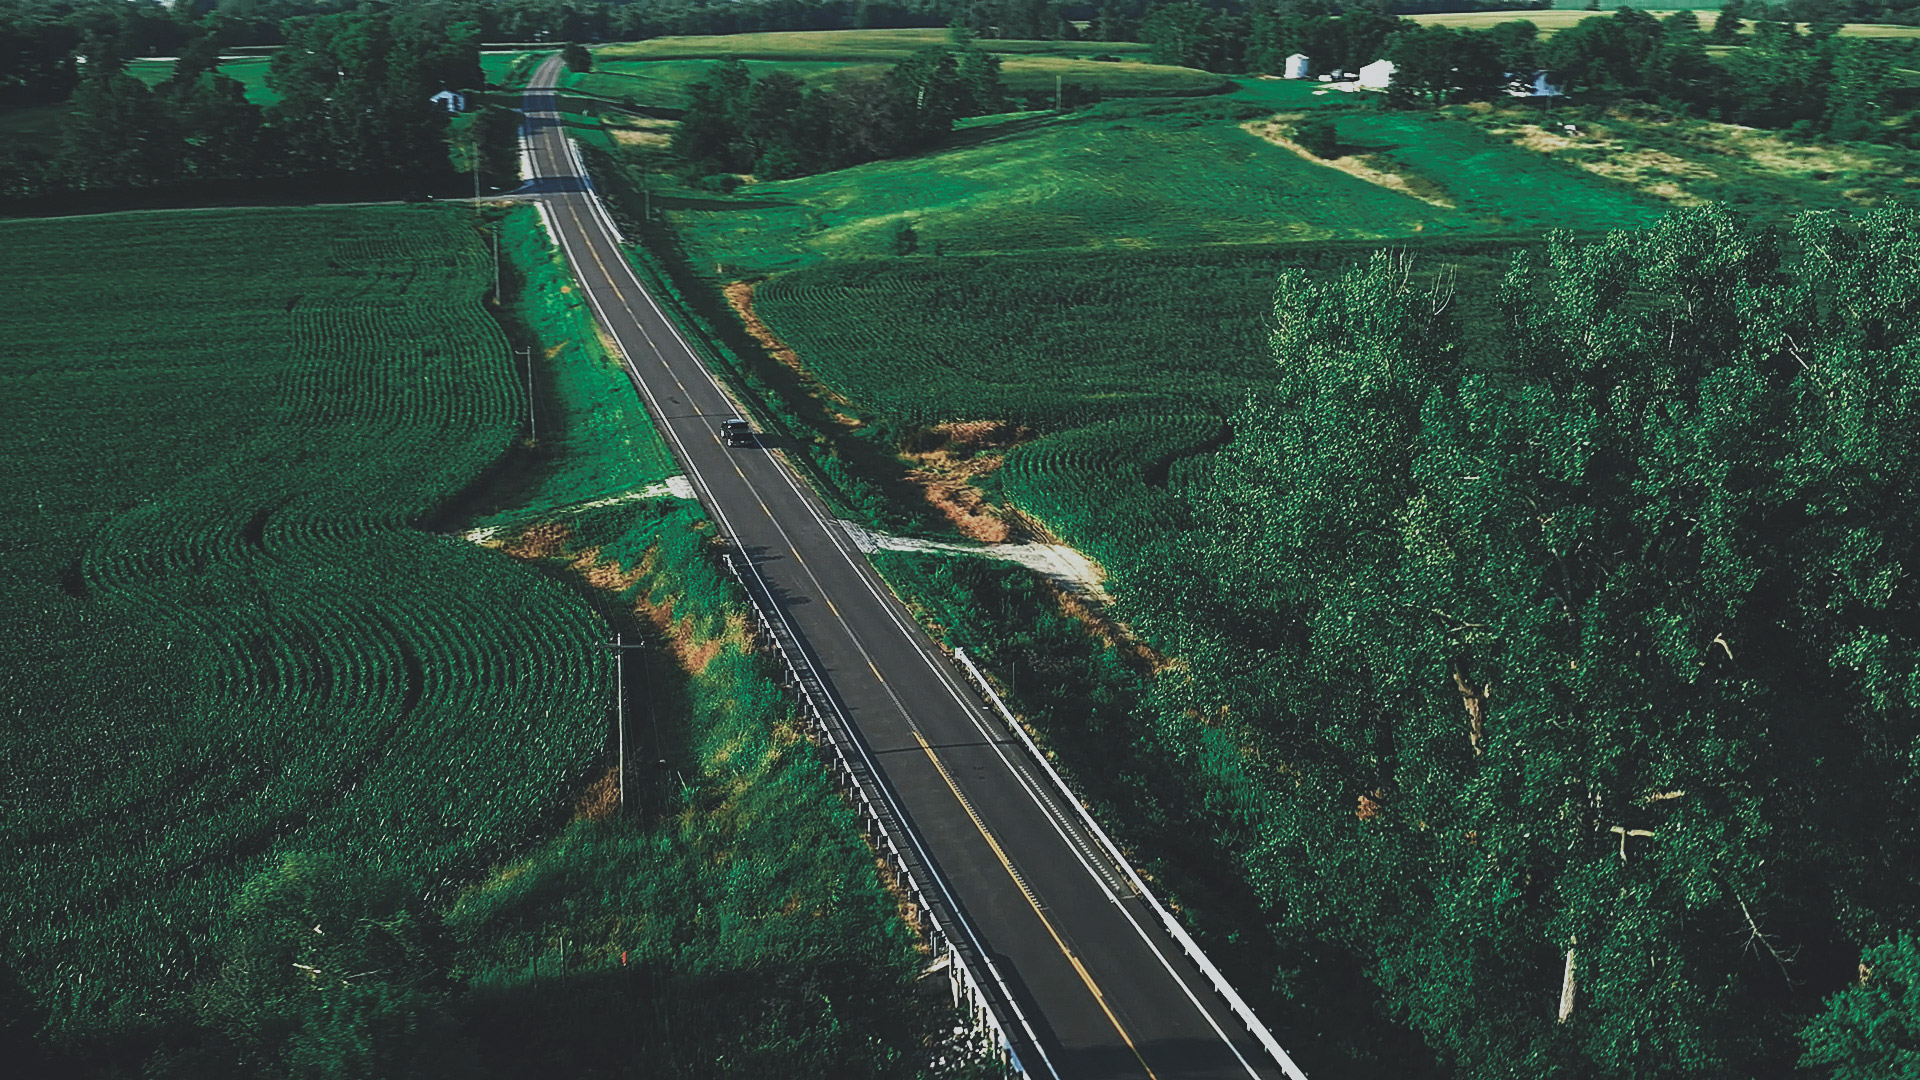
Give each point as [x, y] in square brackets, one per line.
[1525, 657]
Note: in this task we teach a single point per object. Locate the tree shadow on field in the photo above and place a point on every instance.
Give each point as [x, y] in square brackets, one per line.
[991, 133]
[688, 1018]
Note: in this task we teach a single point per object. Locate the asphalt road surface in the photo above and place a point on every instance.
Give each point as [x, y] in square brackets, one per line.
[1104, 989]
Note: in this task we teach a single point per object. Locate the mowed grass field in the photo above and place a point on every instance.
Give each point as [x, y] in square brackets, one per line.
[250, 70]
[657, 72]
[1137, 176]
[226, 635]
[846, 46]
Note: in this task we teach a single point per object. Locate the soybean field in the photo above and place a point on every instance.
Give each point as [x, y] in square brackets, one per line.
[227, 635]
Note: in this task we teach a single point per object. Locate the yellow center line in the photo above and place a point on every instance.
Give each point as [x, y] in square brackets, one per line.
[1034, 902]
[1005, 863]
[575, 215]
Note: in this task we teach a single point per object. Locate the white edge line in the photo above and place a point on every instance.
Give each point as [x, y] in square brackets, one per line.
[1179, 933]
[714, 508]
[945, 677]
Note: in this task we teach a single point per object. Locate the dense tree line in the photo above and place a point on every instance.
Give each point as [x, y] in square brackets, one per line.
[1581, 700]
[1810, 82]
[355, 90]
[1898, 12]
[775, 127]
[1807, 80]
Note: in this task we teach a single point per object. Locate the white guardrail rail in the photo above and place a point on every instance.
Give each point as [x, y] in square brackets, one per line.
[970, 969]
[1179, 933]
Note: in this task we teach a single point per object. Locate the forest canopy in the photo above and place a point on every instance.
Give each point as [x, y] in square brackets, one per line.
[1585, 685]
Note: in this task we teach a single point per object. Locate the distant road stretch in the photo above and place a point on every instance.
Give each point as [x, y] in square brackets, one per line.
[1104, 989]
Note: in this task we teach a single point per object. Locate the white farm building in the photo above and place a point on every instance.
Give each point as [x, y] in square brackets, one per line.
[1297, 66]
[1377, 75]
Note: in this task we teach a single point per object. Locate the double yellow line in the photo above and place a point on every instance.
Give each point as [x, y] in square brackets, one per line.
[1033, 901]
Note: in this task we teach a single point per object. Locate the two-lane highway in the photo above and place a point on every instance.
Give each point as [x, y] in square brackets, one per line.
[1105, 990]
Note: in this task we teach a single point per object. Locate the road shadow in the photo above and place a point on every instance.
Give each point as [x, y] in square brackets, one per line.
[553, 185]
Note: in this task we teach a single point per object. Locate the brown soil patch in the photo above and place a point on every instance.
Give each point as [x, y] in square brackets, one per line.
[951, 460]
[690, 650]
[1373, 168]
[544, 540]
[1112, 633]
[740, 298]
[601, 800]
[610, 575]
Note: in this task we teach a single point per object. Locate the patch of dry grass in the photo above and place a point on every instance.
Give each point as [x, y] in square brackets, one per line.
[948, 461]
[642, 131]
[1655, 172]
[1376, 169]
[1688, 162]
[740, 297]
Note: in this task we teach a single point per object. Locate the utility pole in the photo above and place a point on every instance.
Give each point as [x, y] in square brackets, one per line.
[1056, 93]
[533, 432]
[620, 680]
[496, 264]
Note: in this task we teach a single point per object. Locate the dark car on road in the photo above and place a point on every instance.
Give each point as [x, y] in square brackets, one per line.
[736, 432]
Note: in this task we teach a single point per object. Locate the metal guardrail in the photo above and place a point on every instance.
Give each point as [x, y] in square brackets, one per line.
[970, 970]
[1179, 933]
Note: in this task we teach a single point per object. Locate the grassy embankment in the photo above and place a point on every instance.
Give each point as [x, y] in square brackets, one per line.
[736, 915]
[229, 644]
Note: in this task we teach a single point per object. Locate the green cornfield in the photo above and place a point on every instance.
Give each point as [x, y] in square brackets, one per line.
[229, 631]
[1123, 365]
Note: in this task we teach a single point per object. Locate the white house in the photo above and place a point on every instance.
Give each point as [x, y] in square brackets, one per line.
[451, 100]
[1297, 66]
[1377, 75]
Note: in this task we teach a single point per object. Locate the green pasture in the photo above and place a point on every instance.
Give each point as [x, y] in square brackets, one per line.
[508, 69]
[1286, 95]
[1137, 176]
[1124, 78]
[596, 442]
[251, 71]
[845, 46]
